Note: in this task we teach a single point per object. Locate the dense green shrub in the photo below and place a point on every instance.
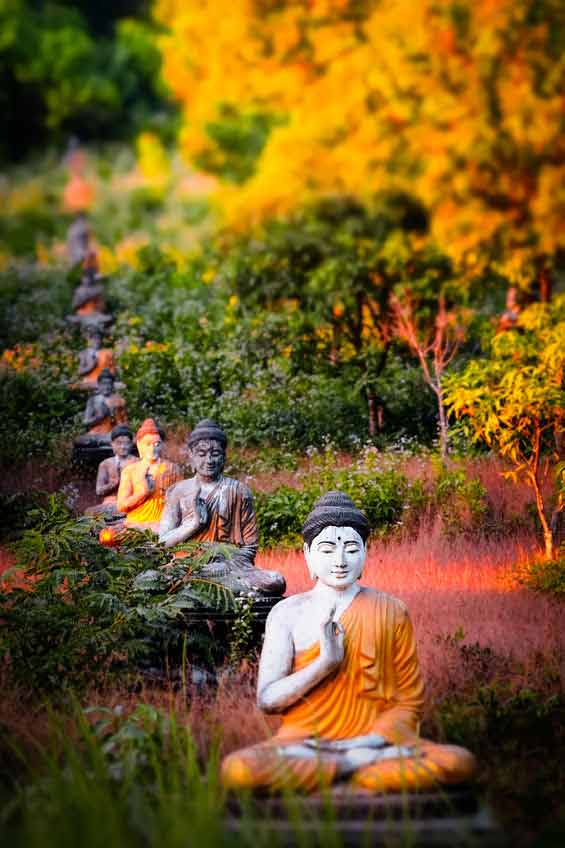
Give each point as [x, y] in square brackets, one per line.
[461, 503]
[33, 305]
[66, 69]
[40, 414]
[382, 495]
[545, 575]
[86, 617]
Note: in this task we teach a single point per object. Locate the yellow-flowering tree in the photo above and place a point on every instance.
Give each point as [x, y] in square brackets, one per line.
[459, 104]
[514, 399]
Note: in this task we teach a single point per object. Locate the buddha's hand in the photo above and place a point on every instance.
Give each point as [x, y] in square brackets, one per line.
[196, 513]
[331, 642]
[149, 482]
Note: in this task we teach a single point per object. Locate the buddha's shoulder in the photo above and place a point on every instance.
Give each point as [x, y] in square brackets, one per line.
[237, 486]
[290, 608]
[384, 600]
[180, 489]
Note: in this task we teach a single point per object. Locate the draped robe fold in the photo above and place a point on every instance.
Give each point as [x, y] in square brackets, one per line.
[376, 689]
[148, 514]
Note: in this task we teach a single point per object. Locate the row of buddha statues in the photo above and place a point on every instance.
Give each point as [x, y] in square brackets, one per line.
[147, 492]
[105, 407]
[338, 664]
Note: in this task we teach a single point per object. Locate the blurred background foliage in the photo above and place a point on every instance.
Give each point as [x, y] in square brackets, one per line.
[86, 69]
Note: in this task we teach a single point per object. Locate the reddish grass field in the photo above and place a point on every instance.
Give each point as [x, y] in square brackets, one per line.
[474, 623]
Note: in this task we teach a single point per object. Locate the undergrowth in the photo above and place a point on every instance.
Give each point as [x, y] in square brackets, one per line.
[88, 611]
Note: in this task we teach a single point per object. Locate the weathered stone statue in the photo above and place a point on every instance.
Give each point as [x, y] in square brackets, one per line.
[110, 470]
[89, 298]
[141, 493]
[105, 409]
[93, 359]
[78, 239]
[212, 508]
[339, 664]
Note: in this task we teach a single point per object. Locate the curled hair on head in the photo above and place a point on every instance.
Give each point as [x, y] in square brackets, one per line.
[120, 430]
[207, 430]
[334, 509]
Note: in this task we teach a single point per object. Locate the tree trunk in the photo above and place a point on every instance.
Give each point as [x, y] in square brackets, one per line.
[372, 407]
[443, 447]
[547, 531]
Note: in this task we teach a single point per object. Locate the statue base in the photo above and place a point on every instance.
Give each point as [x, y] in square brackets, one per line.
[448, 817]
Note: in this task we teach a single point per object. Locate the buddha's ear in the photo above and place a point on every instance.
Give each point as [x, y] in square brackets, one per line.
[364, 558]
[308, 558]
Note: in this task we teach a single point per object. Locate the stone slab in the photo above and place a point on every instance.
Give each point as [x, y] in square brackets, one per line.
[443, 818]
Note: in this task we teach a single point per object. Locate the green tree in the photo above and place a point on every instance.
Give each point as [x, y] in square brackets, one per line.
[513, 400]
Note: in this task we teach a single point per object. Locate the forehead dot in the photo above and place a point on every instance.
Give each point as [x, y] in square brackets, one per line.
[339, 538]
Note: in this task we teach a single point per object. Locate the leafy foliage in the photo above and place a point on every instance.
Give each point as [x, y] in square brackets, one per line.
[545, 575]
[60, 73]
[84, 614]
[513, 399]
[441, 109]
[382, 494]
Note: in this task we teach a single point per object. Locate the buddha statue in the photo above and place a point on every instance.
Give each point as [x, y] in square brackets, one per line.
[110, 471]
[141, 493]
[104, 409]
[88, 298]
[79, 239]
[212, 508]
[339, 665]
[93, 359]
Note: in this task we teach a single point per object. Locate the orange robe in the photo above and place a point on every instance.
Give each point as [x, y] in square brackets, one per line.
[148, 514]
[376, 689]
[104, 360]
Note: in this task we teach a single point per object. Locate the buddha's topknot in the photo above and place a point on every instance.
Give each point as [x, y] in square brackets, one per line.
[207, 430]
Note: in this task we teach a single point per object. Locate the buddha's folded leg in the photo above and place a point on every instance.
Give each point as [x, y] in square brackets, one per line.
[263, 768]
[429, 766]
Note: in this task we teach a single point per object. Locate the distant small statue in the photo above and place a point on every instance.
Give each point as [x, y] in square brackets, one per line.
[105, 409]
[110, 471]
[79, 239]
[212, 508]
[339, 665]
[93, 359]
[89, 297]
[141, 493]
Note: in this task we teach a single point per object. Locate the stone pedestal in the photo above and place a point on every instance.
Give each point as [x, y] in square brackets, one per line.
[448, 817]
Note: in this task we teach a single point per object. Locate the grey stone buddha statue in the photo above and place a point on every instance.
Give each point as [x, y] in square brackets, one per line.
[210, 507]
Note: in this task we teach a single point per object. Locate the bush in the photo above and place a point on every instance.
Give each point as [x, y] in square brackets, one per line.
[382, 495]
[84, 617]
[545, 575]
[461, 504]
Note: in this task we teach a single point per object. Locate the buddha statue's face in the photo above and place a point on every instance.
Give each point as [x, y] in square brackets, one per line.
[150, 447]
[122, 446]
[336, 557]
[106, 386]
[207, 458]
